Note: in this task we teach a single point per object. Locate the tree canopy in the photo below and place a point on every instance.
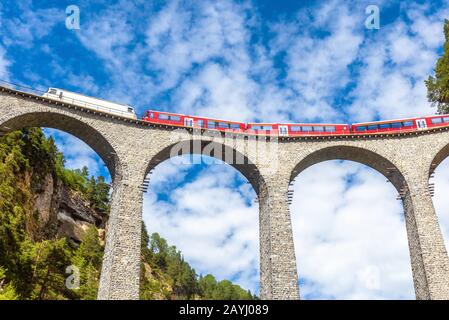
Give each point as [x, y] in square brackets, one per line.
[438, 85]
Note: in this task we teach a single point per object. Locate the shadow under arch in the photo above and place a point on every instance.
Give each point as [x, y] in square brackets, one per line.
[68, 124]
[212, 149]
[355, 154]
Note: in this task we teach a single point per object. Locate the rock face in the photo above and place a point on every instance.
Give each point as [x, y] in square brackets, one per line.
[61, 212]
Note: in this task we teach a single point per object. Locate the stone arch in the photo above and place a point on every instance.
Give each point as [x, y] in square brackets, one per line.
[355, 154]
[383, 166]
[69, 124]
[218, 150]
[228, 154]
[438, 158]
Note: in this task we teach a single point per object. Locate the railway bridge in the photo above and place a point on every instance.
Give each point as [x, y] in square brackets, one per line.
[132, 148]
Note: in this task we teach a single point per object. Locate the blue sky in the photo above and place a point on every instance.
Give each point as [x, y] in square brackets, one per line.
[250, 61]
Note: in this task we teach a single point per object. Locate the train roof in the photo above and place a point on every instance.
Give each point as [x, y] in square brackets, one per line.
[80, 94]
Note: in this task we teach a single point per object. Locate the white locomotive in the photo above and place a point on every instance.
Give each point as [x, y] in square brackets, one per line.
[91, 103]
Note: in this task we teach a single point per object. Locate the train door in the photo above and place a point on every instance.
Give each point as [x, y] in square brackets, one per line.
[421, 124]
[188, 122]
[283, 131]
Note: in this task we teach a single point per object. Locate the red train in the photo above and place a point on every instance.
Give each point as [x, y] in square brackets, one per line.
[297, 129]
[181, 120]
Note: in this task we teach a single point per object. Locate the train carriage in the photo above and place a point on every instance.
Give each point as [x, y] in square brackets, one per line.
[177, 119]
[327, 129]
[297, 129]
[401, 125]
[263, 129]
[92, 103]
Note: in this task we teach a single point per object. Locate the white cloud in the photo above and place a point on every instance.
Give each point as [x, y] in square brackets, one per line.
[209, 220]
[83, 81]
[394, 64]
[77, 154]
[32, 24]
[4, 64]
[318, 66]
[346, 249]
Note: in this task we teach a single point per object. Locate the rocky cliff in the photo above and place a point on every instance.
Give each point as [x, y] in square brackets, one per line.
[51, 218]
[61, 212]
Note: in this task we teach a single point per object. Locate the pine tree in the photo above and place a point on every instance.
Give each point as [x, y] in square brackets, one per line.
[7, 290]
[87, 259]
[438, 85]
[207, 286]
[50, 260]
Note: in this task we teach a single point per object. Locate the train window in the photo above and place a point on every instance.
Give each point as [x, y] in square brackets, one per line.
[262, 127]
[211, 124]
[296, 128]
[200, 123]
[307, 128]
[175, 118]
[384, 126]
[436, 120]
[151, 115]
[163, 116]
[361, 128]
[407, 124]
[330, 129]
[318, 128]
[131, 110]
[235, 126]
[446, 119]
[52, 91]
[373, 127]
[396, 125]
[223, 125]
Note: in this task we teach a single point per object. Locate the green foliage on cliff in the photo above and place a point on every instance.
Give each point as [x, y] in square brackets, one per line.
[166, 275]
[438, 85]
[33, 266]
[210, 289]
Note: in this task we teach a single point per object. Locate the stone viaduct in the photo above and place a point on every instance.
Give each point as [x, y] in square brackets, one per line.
[131, 149]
